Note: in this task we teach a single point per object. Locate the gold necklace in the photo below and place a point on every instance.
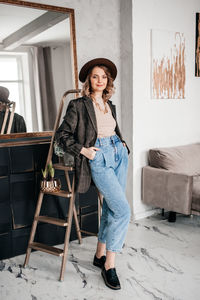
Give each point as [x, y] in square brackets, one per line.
[105, 110]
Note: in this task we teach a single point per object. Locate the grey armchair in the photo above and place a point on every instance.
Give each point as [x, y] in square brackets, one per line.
[172, 179]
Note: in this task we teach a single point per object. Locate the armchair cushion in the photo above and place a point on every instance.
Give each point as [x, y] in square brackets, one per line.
[180, 159]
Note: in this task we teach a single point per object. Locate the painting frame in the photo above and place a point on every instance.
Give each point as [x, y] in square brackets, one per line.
[197, 46]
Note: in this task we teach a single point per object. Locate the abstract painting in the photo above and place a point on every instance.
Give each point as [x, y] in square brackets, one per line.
[168, 65]
[197, 48]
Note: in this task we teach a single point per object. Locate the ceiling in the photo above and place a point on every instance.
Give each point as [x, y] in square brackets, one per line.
[14, 20]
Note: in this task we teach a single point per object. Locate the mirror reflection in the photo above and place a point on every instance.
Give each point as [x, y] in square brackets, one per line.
[35, 63]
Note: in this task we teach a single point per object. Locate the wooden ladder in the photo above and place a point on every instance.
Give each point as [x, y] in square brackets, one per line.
[6, 116]
[69, 195]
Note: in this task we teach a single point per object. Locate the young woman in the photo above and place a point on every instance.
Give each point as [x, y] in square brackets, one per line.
[90, 132]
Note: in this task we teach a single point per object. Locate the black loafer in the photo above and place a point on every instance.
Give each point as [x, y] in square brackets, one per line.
[110, 278]
[99, 262]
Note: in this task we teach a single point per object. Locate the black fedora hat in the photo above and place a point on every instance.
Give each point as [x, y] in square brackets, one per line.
[4, 94]
[97, 62]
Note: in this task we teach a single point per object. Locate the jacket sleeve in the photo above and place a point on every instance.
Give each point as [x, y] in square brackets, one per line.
[20, 125]
[66, 136]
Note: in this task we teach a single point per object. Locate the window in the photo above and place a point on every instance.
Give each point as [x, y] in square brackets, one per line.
[14, 75]
[11, 77]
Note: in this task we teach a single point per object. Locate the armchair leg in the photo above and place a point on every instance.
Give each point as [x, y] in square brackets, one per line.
[172, 217]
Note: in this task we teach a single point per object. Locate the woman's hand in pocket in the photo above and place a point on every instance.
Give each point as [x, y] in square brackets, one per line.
[89, 152]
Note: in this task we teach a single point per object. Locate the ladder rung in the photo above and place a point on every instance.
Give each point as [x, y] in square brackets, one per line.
[63, 167]
[61, 193]
[46, 248]
[51, 220]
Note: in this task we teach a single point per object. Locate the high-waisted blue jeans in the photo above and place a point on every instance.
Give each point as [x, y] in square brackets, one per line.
[109, 173]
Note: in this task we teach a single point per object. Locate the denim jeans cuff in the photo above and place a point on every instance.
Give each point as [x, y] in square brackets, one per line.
[113, 250]
[101, 241]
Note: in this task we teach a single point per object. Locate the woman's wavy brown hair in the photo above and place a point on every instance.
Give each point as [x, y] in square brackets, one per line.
[108, 91]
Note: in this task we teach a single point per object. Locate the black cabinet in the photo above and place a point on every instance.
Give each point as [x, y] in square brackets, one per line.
[6, 245]
[4, 161]
[5, 207]
[88, 207]
[5, 217]
[22, 159]
[22, 196]
[20, 175]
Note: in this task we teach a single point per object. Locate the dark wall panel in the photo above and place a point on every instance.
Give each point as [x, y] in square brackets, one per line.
[40, 156]
[50, 234]
[5, 245]
[89, 222]
[4, 189]
[22, 189]
[50, 206]
[4, 161]
[22, 159]
[89, 199]
[20, 238]
[5, 217]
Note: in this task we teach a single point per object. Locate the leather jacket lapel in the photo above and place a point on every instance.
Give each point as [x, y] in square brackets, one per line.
[112, 108]
[91, 112]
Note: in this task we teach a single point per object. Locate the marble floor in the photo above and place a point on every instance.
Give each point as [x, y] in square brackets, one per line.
[160, 260]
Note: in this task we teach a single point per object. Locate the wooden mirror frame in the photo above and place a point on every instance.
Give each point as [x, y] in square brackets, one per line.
[70, 11]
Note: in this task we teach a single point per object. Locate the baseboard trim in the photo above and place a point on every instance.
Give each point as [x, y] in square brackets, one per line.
[145, 214]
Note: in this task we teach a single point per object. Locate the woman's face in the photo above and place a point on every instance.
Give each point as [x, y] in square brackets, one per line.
[98, 79]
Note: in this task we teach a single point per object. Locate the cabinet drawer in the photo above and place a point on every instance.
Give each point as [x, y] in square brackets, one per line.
[22, 159]
[5, 217]
[23, 198]
[4, 161]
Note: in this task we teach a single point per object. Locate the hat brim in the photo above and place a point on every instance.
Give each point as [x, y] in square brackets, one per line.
[5, 101]
[97, 62]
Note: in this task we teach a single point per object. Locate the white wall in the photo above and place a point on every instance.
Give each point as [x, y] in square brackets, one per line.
[161, 122]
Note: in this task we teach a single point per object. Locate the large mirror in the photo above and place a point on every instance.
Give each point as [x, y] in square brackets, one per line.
[38, 61]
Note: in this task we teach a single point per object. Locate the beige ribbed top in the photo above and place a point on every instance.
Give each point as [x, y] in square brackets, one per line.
[105, 122]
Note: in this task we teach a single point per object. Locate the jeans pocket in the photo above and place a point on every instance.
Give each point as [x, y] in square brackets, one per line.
[96, 157]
